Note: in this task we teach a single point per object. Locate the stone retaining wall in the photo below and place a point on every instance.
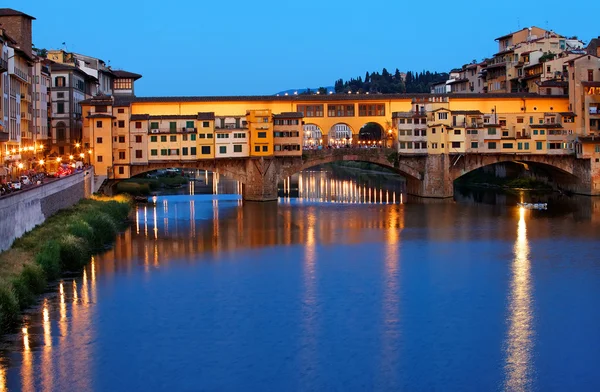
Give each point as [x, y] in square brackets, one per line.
[23, 210]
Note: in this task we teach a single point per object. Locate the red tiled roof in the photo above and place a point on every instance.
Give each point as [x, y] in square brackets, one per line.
[11, 12]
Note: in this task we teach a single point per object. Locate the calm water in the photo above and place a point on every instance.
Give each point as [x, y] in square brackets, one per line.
[352, 286]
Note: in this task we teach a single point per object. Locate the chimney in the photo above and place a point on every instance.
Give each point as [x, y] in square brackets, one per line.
[18, 26]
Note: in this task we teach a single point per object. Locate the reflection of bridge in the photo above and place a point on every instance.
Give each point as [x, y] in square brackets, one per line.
[426, 175]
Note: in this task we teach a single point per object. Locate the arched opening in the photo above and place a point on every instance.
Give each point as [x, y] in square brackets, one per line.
[177, 180]
[512, 174]
[371, 134]
[313, 136]
[340, 135]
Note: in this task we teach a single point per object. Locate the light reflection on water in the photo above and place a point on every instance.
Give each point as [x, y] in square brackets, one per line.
[521, 330]
[61, 347]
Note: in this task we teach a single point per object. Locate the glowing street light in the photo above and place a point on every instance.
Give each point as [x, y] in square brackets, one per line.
[81, 155]
[77, 145]
[41, 162]
[71, 157]
[58, 159]
[20, 165]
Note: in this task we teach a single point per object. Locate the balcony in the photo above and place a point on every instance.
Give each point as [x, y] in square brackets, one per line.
[3, 65]
[189, 130]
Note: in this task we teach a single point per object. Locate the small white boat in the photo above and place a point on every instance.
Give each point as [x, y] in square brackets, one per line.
[534, 206]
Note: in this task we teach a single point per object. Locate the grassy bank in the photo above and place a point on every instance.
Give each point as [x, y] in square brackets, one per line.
[63, 243]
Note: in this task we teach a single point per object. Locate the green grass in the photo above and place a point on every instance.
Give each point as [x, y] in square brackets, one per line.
[63, 243]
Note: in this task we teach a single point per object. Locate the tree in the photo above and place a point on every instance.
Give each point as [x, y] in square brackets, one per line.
[322, 90]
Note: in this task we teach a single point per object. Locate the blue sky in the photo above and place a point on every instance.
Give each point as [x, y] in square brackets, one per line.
[231, 47]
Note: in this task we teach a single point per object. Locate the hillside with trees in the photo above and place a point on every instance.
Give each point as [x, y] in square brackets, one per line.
[387, 83]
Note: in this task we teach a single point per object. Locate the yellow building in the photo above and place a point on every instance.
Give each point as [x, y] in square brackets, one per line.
[260, 126]
[98, 135]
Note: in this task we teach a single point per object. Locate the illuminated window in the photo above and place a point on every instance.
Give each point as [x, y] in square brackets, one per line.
[123, 84]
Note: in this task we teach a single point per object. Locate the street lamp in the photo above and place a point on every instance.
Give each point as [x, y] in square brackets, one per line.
[81, 156]
[58, 159]
[71, 157]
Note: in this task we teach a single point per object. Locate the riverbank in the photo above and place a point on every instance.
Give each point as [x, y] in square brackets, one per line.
[63, 243]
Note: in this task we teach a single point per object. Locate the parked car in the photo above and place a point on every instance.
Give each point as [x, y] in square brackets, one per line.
[15, 185]
[25, 180]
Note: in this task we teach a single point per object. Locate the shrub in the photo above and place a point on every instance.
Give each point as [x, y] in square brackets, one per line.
[9, 307]
[105, 228]
[49, 259]
[74, 253]
[82, 229]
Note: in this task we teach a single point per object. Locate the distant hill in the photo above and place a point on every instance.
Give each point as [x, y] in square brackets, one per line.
[304, 90]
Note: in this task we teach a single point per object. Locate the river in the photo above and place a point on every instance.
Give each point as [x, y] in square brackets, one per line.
[344, 284]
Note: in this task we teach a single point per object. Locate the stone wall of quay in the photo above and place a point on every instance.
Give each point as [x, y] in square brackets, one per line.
[23, 210]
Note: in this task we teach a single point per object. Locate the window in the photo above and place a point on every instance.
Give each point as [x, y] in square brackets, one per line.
[98, 124]
[519, 146]
[338, 111]
[205, 124]
[434, 145]
[311, 110]
[121, 154]
[535, 131]
[371, 110]
[184, 151]
[209, 135]
[184, 138]
[507, 145]
[121, 170]
[60, 95]
[519, 120]
[590, 75]
[98, 140]
[226, 135]
[189, 124]
[491, 131]
[99, 158]
[474, 144]
[193, 150]
[163, 138]
[121, 124]
[164, 152]
[153, 152]
[153, 125]
[442, 115]
[597, 148]
[138, 125]
[101, 108]
[60, 108]
[455, 144]
[256, 148]
[138, 154]
[222, 149]
[59, 81]
[526, 145]
[153, 139]
[138, 138]
[457, 131]
[542, 131]
[193, 137]
[205, 150]
[261, 135]
[491, 145]
[538, 145]
[173, 138]
[121, 139]
[265, 148]
[237, 148]
[173, 126]
[123, 84]
[202, 135]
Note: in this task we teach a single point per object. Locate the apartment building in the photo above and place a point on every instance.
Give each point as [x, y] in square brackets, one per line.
[260, 126]
[287, 134]
[232, 137]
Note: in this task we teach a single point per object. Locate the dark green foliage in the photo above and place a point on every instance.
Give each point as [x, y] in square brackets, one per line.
[74, 253]
[31, 282]
[48, 257]
[9, 307]
[104, 226]
[386, 83]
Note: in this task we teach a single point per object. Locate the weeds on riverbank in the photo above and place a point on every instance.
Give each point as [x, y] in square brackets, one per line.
[63, 243]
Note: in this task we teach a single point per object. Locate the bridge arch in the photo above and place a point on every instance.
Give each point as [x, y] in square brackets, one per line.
[340, 134]
[233, 172]
[313, 135]
[562, 170]
[371, 132]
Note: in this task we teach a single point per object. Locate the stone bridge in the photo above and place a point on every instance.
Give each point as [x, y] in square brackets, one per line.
[426, 175]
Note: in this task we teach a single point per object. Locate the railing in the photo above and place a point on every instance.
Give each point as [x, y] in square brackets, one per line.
[189, 130]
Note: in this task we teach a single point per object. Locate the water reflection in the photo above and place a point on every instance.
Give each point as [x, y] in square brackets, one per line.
[519, 340]
[309, 309]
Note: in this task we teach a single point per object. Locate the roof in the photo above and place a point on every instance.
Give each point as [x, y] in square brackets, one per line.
[120, 74]
[98, 100]
[497, 65]
[467, 112]
[67, 67]
[504, 52]
[455, 81]
[509, 34]
[590, 84]
[139, 117]
[554, 83]
[567, 114]
[206, 116]
[100, 115]
[577, 58]
[174, 117]
[289, 115]
[545, 126]
[438, 109]
[11, 12]
[328, 97]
